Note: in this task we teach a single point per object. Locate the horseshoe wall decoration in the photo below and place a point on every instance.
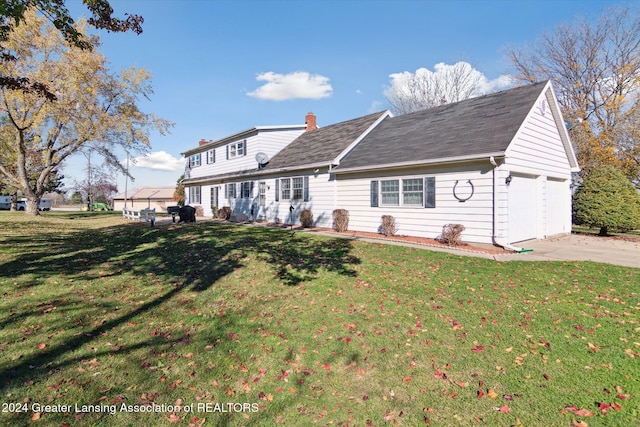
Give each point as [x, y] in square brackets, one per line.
[463, 199]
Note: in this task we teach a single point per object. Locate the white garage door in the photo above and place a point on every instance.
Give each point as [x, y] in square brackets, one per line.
[558, 207]
[522, 208]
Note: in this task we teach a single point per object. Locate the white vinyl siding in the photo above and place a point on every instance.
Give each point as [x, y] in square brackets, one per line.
[266, 141]
[476, 214]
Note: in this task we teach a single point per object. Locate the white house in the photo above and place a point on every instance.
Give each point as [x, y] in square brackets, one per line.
[213, 169]
[499, 164]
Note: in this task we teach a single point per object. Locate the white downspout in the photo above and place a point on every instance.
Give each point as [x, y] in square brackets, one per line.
[495, 212]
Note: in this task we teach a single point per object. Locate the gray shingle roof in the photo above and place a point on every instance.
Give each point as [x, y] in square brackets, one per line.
[322, 144]
[476, 126]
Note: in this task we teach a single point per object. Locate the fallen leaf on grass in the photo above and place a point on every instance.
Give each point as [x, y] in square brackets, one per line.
[593, 347]
[578, 412]
[477, 349]
[35, 416]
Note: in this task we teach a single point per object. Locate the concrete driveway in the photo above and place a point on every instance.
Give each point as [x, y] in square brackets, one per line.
[577, 247]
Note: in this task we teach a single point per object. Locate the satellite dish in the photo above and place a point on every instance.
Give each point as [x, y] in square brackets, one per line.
[262, 159]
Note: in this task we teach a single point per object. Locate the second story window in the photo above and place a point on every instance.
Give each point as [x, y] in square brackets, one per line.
[195, 160]
[237, 149]
[211, 156]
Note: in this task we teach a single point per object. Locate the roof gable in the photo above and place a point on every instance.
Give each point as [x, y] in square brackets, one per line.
[473, 127]
[323, 145]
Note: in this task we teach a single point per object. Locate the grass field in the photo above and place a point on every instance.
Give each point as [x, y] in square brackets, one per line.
[107, 323]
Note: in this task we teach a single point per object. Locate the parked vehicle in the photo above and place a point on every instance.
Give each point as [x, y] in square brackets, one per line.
[45, 205]
[5, 203]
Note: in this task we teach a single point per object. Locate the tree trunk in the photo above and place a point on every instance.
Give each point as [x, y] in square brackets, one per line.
[603, 231]
[33, 206]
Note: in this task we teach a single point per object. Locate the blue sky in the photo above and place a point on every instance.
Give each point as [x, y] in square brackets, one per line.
[221, 67]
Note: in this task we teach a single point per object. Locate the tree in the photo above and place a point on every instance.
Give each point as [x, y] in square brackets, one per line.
[178, 195]
[595, 68]
[13, 13]
[607, 199]
[424, 89]
[76, 198]
[93, 107]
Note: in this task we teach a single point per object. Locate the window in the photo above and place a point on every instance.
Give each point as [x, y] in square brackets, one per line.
[262, 193]
[293, 188]
[297, 188]
[415, 192]
[430, 192]
[374, 194]
[214, 196]
[389, 190]
[285, 187]
[412, 192]
[211, 156]
[194, 160]
[230, 191]
[194, 195]
[246, 189]
[237, 149]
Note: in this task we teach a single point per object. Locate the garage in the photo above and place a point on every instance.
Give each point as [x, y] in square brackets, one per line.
[523, 208]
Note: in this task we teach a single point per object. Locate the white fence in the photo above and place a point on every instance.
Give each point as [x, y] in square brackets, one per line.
[148, 215]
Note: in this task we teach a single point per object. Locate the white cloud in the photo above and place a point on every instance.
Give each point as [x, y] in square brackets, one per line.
[159, 160]
[296, 85]
[499, 83]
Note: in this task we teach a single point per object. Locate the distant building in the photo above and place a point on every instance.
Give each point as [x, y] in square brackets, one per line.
[146, 198]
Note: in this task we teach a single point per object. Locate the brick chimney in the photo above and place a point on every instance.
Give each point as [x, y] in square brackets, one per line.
[310, 120]
[202, 142]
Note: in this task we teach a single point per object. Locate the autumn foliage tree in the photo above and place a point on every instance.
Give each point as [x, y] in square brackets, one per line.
[14, 12]
[178, 194]
[595, 68]
[607, 199]
[92, 107]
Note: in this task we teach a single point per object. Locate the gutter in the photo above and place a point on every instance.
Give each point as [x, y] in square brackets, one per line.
[494, 238]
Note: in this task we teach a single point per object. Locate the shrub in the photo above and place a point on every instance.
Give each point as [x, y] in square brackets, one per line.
[451, 234]
[388, 225]
[607, 199]
[306, 218]
[199, 210]
[225, 213]
[340, 220]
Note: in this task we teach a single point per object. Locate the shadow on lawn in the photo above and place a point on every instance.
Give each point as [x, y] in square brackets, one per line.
[188, 257]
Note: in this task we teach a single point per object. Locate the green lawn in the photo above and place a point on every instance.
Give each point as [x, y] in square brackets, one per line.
[105, 320]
